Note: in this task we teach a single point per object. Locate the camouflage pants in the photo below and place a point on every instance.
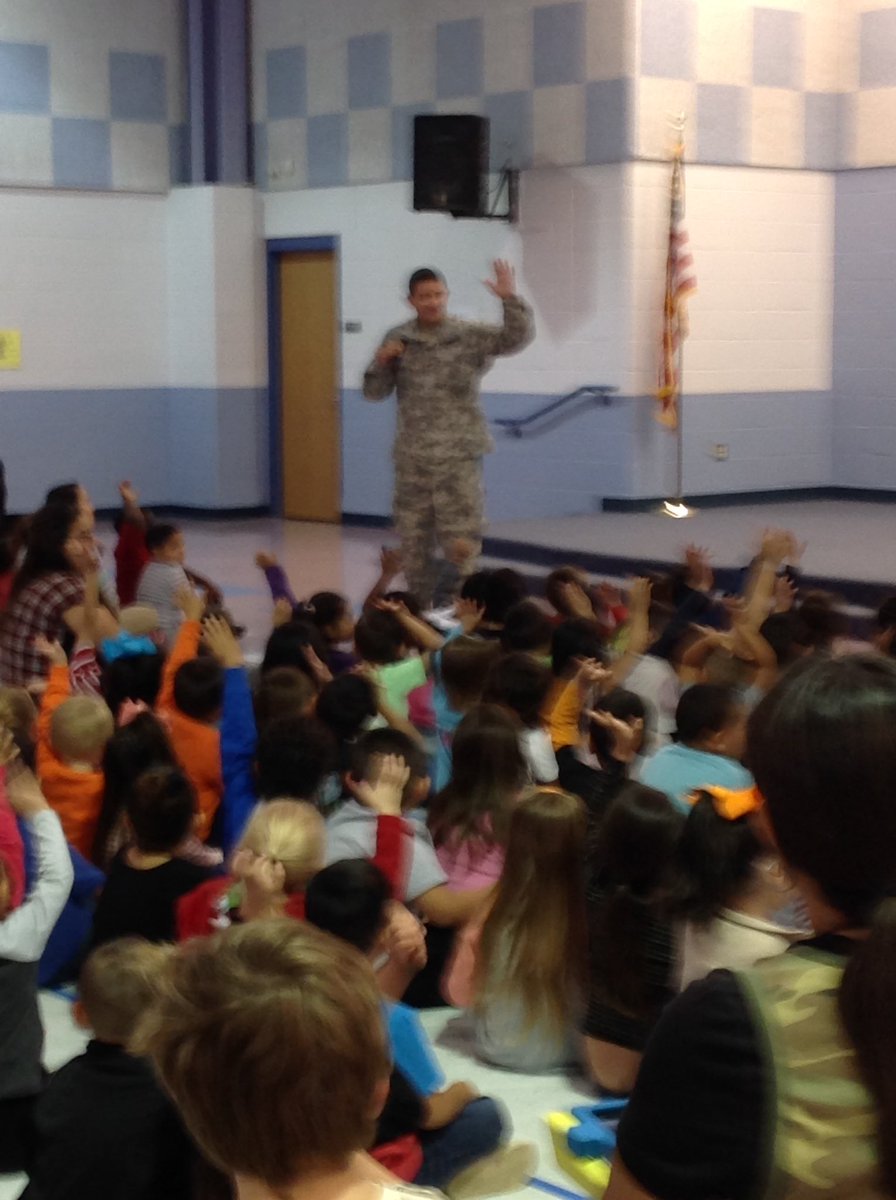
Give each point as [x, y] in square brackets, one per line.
[434, 503]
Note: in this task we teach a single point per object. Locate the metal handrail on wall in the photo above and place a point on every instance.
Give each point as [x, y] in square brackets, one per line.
[516, 426]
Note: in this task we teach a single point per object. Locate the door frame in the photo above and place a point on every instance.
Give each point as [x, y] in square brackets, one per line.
[274, 249]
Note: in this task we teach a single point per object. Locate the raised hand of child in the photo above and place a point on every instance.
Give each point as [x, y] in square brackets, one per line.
[627, 735]
[577, 600]
[318, 669]
[264, 560]
[383, 793]
[719, 639]
[639, 595]
[282, 613]
[128, 494]
[220, 640]
[51, 650]
[785, 594]
[263, 881]
[190, 603]
[591, 675]
[397, 607]
[776, 545]
[470, 613]
[698, 572]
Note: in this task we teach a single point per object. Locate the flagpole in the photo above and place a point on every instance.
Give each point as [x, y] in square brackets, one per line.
[679, 432]
[677, 507]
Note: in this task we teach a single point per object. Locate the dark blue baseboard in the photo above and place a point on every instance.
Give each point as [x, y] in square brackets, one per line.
[367, 520]
[730, 499]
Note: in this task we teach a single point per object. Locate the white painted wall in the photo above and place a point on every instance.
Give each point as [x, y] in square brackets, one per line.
[84, 280]
[569, 251]
[763, 246]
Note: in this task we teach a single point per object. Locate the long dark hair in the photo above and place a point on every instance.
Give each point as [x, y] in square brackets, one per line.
[716, 859]
[48, 531]
[822, 748]
[488, 769]
[131, 750]
[632, 870]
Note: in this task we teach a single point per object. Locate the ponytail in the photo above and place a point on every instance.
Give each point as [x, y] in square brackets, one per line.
[867, 1004]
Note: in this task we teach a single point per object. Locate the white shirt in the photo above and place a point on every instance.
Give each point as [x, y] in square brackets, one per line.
[24, 933]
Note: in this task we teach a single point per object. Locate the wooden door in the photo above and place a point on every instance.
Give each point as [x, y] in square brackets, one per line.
[309, 398]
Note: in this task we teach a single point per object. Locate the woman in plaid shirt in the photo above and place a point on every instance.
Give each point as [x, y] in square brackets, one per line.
[61, 549]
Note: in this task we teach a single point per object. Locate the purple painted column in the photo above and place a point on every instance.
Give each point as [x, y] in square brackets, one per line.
[217, 38]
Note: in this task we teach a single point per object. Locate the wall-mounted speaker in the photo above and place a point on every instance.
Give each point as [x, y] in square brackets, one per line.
[451, 164]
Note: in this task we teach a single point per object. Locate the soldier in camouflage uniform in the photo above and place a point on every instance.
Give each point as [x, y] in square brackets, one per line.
[434, 364]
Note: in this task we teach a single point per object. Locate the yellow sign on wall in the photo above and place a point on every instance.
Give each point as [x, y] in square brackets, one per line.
[10, 349]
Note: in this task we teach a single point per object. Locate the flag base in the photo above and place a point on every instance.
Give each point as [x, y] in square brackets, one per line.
[677, 509]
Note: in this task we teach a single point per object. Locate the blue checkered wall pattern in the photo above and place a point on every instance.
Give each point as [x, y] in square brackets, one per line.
[131, 144]
[762, 86]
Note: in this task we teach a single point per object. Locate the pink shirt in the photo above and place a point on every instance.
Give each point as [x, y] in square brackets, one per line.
[471, 864]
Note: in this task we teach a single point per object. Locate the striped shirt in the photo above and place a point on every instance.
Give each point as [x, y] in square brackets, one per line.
[158, 586]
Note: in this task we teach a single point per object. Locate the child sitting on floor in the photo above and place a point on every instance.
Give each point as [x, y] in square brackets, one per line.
[427, 1133]
[632, 946]
[521, 684]
[709, 740]
[520, 969]
[352, 830]
[210, 1038]
[146, 879]
[281, 849]
[459, 670]
[72, 736]
[104, 1127]
[189, 703]
[468, 819]
[164, 577]
[731, 888]
[23, 936]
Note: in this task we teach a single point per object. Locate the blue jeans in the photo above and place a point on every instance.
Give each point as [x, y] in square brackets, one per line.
[477, 1132]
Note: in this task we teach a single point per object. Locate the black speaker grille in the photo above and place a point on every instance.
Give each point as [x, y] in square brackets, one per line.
[451, 164]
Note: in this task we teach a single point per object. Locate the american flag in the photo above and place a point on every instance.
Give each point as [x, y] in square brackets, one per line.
[680, 282]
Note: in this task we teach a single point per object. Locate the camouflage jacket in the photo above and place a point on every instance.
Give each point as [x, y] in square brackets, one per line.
[436, 382]
[822, 1133]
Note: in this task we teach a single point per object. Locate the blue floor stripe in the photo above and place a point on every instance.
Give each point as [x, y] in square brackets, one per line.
[554, 1189]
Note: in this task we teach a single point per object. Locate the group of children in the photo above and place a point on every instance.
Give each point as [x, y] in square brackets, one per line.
[539, 810]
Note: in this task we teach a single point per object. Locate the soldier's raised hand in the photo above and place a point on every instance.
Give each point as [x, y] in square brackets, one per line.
[504, 284]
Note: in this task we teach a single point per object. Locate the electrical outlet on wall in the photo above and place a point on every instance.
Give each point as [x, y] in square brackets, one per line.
[720, 451]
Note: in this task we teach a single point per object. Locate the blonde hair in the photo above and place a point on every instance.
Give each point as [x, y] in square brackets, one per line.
[17, 710]
[292, 833]
[80, 728]
[117, 983]
[269, 1037]
[533, 942]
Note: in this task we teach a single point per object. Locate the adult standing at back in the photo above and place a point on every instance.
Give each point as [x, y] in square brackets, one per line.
[434, 364]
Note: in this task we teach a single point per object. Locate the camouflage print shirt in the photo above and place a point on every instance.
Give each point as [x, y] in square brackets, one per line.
[436, 381]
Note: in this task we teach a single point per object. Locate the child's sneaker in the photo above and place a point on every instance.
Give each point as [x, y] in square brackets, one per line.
[507, 1170]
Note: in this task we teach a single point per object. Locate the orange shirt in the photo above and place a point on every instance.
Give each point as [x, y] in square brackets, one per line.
[562, 711]
[197, 746]
[75, 795]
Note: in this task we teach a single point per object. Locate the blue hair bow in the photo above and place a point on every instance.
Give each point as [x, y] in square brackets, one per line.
[126, 645]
